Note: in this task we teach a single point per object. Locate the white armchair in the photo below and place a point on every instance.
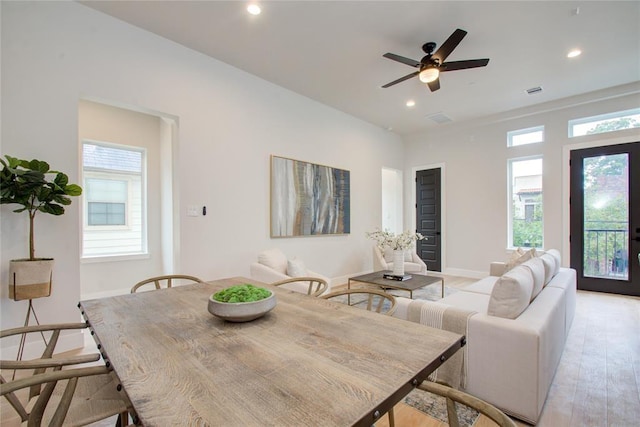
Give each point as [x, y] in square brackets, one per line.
[384, 261]
[273, 266]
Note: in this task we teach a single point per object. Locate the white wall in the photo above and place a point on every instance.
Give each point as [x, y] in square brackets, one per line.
[392, 217]
[105, 123]
[476, 155]
[229, 123]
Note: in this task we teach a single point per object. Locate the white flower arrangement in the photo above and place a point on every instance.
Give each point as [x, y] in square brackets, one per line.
[387, 239]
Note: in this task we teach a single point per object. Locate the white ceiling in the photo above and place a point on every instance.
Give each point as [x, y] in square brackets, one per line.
[331, 51]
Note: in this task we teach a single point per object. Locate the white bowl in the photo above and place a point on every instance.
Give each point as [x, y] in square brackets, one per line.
[241, 311]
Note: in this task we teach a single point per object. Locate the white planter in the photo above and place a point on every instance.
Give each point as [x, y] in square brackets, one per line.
[30, 279]
[398, 262]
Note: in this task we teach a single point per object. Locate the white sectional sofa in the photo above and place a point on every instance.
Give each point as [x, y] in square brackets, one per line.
[514, 346]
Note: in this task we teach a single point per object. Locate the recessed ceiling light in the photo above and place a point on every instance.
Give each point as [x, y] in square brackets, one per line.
[411, 103]
[254, 9]
[573, 53]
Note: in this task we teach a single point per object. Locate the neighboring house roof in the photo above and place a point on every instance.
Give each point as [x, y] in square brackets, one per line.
[530, 191]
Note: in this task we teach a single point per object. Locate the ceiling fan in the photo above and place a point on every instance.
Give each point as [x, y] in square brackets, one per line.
[432, 64]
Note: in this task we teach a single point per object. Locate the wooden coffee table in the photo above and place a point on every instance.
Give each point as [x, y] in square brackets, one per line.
[417, 281]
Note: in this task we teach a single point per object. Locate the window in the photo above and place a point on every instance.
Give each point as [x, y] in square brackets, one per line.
[525, 207]
[114, 218]
[525, 136]
[106, 213]
[106, 201]
[611, 122]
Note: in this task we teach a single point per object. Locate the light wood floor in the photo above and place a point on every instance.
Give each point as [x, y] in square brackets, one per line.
[596, 384]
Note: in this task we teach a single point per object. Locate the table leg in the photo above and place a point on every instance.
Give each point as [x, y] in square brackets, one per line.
[443, 287]
[348, 294]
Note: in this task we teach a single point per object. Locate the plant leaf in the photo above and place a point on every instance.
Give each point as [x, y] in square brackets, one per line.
[73, 190]
[52, 209]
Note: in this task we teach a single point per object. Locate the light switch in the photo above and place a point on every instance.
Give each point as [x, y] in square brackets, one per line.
[193, 210]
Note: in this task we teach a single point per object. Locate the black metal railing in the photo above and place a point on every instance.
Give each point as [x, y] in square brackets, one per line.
[606, 249]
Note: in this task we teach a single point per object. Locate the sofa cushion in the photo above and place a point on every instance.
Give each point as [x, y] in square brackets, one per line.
[536, 266]
[483, 286]
[549, 263]
[274, 259]
[296, 268]
[515, 261]
[512, 293]
[467, 301]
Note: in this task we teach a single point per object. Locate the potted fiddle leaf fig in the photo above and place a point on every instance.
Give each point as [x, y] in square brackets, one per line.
[35, 188]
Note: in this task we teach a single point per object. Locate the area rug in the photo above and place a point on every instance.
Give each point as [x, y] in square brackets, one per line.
[433, 405]
[436, 407]
[429, 403]
[431, 292]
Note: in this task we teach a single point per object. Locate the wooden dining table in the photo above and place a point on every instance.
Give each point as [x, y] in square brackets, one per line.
[308, 362]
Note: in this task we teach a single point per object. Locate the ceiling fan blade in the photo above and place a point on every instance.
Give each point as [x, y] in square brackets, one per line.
[434, 85]
[461, 65]
[447, 47]
[401, 79]
[402, 59]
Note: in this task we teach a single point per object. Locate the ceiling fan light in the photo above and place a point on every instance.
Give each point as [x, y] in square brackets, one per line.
[254, 9]
[429, 74]
[574, 53]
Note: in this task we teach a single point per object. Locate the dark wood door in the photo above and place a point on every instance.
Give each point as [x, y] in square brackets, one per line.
[428, 217]
[605, 218]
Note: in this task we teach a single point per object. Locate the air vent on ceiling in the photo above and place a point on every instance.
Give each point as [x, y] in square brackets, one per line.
[534, 90]
[439, 118]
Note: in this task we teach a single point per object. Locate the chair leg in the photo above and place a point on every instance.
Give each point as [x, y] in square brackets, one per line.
[123, 419]
[392, 420]
[452, 413]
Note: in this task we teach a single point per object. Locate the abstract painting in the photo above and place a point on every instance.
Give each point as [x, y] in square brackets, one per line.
[308, 199]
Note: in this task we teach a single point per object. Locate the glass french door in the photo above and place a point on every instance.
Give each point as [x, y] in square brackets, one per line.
[605, 218]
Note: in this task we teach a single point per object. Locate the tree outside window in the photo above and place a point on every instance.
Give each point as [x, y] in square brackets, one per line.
[526, 210]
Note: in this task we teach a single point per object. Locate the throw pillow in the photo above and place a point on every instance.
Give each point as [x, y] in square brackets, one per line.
[536, 266]
[274, 259]
[517, 253]
[511, 294]
[556, 254]
[515, 261]
[296, 268]
[407, 256]
[549, 267]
